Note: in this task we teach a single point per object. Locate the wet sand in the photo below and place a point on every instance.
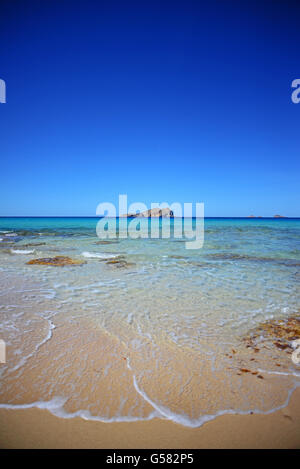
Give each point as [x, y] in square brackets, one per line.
[34, 428]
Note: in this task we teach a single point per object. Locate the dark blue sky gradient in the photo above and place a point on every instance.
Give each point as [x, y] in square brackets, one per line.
[165, 101]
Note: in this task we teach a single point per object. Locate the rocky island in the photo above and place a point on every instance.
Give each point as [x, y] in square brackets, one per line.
[151, 213]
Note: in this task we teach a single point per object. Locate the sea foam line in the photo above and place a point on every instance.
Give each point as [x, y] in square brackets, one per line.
[186, 421]
[98, 255]
[22, 251]
[282, 373]
[56, 407]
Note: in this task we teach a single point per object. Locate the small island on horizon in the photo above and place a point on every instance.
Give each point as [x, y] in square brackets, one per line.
[275, 216]
[151, 213]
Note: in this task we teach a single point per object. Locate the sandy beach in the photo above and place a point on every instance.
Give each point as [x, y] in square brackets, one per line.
[35, 428]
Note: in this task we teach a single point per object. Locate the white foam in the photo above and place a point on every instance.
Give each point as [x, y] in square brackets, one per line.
[22, 251]
[48, 336]
[130, 318]
[52, 405]
[56, 407]
[59, 411]
[280, 373]
[98, 255]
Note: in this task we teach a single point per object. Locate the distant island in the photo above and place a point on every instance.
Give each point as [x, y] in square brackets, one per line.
[275, 216]
[152, 213]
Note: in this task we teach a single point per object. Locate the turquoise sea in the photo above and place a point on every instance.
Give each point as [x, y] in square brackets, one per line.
[146, 328]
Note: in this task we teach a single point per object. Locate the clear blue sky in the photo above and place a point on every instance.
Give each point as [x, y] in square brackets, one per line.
[166, 101]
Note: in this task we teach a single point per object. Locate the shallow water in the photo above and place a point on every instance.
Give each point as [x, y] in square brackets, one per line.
[158, 333]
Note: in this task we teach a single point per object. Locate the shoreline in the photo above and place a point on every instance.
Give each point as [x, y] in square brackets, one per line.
[37, 428]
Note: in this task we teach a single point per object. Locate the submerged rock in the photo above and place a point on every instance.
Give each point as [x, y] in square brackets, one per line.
[31, 245]
[106, 242]
[5, 251]
[119, 263]
[280, 333]
[58, 261]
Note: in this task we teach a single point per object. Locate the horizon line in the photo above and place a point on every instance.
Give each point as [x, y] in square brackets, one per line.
[130, 218]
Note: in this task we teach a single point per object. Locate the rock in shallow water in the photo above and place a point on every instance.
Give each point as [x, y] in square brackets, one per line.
[106, 242]
[58, 261]
[120, 263]
[280, 332]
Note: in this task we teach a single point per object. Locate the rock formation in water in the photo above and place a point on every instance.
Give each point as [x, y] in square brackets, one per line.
[152, 213]
[58, 261]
